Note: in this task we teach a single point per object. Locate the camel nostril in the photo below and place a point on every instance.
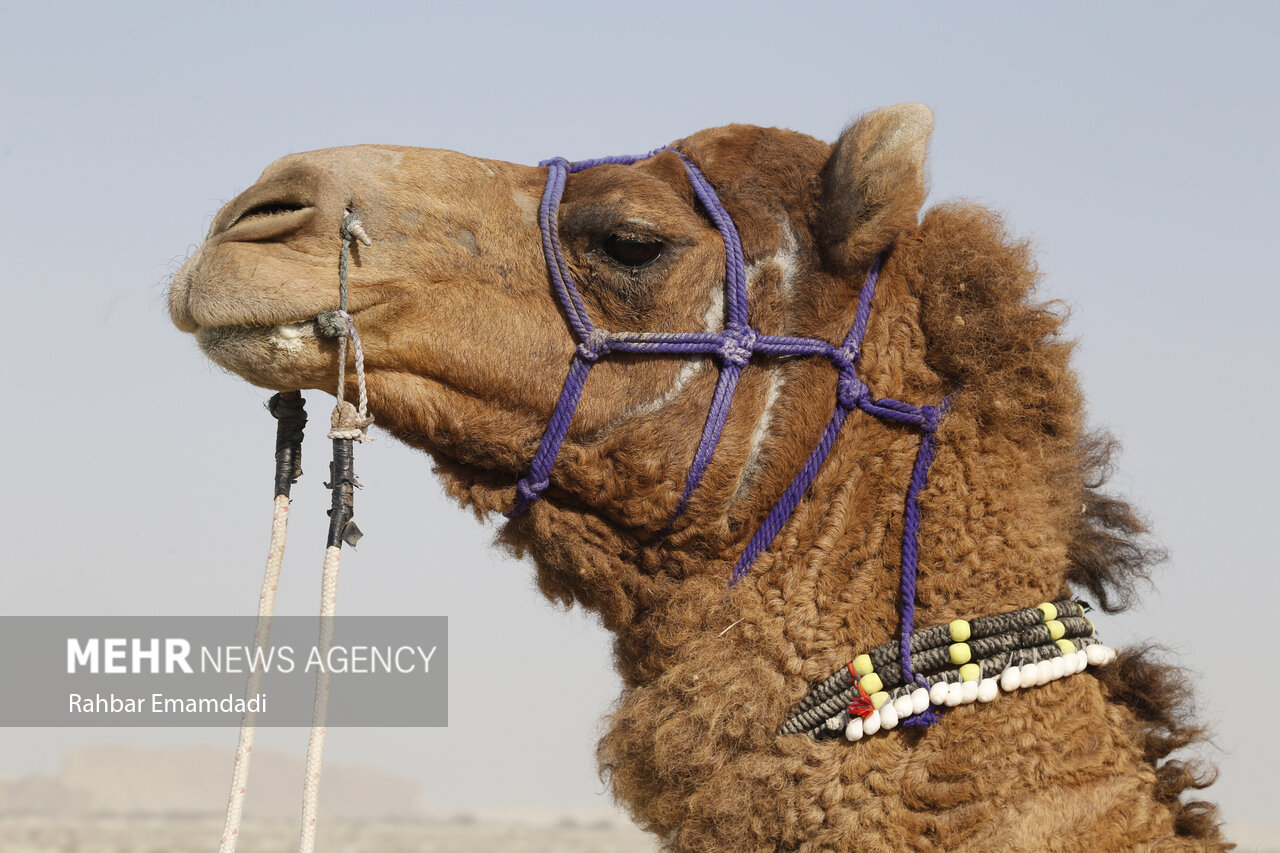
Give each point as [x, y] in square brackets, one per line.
[272, 217]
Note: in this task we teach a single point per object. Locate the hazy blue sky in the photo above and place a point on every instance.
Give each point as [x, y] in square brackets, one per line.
[1135, 142]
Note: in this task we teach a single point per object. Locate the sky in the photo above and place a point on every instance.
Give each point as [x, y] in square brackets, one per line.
[1134, 143]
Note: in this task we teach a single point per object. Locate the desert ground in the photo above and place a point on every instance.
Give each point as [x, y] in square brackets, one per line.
[126, 799]
[178, 834]
[122, 799]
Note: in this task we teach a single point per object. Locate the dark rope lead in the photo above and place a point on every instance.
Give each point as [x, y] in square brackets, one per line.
[289, 410]
[343, 483]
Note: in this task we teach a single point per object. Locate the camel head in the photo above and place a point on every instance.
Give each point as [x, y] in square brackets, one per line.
[467, 348]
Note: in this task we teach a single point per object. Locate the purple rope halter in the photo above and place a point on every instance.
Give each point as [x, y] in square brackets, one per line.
[734, 346]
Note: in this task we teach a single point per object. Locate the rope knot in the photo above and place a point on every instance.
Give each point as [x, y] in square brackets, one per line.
[291, 412]
[332, 324]
[850, 390]
[284, 408]
[932, 418]
[596, 345]
[528, 491]
[347, 422]
[353, 228]
[737, 345]
[843, 358]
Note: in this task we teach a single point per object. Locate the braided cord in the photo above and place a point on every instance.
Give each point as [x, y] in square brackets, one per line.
[910, 536]
[291, 416]
[531, 486]
[320, 707]
[782, 510]
[716, 417]
[344, 265]
[548, 217]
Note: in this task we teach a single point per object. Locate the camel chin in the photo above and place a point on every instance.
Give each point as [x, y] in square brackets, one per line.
[284, 357]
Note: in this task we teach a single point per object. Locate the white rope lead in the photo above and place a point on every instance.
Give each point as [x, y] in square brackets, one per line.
[261, 636]
[320, 710]
[349, 424]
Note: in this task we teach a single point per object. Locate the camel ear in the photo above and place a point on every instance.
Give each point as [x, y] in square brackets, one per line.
[873, 184]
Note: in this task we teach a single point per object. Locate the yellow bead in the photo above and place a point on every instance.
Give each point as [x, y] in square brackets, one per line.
[970, 672]
[1056, 629]
[1066, 647]
[862, 665]
[960, 653]
[959, 631]
[1050, 612]
[879, 698]
[871, 682]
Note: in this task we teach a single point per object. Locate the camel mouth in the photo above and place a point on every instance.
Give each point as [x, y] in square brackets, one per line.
[288, 327]
[280, 338]
[282, 357]
[233, 344]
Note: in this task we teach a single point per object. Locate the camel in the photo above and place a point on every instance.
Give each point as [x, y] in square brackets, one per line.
[467, 347]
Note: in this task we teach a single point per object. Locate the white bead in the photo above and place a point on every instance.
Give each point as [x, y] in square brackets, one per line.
[955, 694]
[1030, 675]
[871, 724]
[1011, 679]
[969, 692]
[919, 700]
[1111, 653]
[938, 692]
[988, 690]
[1044, 672]
[888, 716]
[1059, 666]
[1081, 660]
[903, 706]
[853, 731]
[1096, 654]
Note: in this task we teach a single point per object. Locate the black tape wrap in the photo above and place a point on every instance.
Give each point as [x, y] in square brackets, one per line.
[291, 416]
[342, 480]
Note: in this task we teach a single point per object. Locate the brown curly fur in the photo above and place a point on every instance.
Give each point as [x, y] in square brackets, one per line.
[691, 748]
[1014, 513]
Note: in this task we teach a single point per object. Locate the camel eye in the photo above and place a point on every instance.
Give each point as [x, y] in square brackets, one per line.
[631, 252]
